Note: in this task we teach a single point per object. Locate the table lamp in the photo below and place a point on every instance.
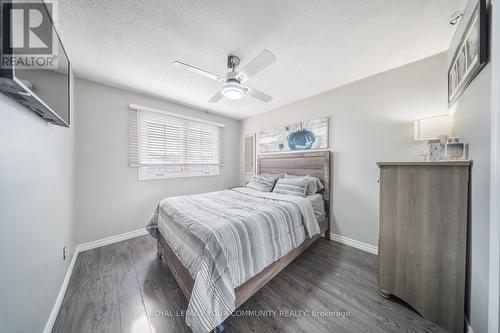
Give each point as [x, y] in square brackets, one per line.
[435, 130]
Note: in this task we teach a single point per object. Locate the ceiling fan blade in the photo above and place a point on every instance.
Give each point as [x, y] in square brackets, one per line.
[258, 94]
[199, 71]
[215, 98]
[264, 59]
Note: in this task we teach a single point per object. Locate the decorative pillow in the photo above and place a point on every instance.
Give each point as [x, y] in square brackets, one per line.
[262, 183]
[292, 186]
[274, 175]
[314, 186]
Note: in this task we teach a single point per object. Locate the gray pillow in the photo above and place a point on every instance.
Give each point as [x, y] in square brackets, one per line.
[262, 183]
[314, 186]
[274, 175]
[292, 186]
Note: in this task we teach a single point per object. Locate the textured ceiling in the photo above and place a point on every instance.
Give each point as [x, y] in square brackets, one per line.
[319, 45]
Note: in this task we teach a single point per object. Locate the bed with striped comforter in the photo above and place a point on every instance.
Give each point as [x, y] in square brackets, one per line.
[226, 237]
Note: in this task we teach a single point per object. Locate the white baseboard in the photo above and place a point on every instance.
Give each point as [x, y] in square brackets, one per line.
[78, 249]
[354, 243]
[111, 240]
[60, 296]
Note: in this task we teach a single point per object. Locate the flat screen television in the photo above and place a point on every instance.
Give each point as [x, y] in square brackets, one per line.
[43, 89]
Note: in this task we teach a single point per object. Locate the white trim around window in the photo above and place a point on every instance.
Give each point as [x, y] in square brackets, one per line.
[163, 144]
[137, 107]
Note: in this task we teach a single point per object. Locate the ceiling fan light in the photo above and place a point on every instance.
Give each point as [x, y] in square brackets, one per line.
[233, 94]
[233, 90]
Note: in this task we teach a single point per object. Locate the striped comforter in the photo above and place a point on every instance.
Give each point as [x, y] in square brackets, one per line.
[224, 238]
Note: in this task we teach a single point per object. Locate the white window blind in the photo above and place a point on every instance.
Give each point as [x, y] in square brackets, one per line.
[163, 145]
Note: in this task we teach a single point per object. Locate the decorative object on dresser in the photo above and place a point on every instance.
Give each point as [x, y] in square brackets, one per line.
[306, 135]
[435, 130]
[469, 49]
[455, 150]
[423, 235]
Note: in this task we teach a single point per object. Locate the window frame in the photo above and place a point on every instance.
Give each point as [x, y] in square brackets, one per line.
[150, 172]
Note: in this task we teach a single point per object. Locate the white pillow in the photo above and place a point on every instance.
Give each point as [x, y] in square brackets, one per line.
[314, 186]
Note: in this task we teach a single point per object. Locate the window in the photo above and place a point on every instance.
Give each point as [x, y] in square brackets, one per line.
[167, 145]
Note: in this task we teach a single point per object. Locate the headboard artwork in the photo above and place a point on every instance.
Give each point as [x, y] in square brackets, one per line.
[312, 163]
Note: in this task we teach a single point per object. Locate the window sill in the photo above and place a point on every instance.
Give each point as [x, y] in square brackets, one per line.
[140, 176]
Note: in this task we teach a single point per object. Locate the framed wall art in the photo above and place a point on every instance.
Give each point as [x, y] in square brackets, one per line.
[306, 135]
[470, 53]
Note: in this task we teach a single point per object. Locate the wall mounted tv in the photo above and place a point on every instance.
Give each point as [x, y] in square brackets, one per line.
[34, 69]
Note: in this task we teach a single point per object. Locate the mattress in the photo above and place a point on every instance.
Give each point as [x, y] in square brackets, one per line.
[318, 205]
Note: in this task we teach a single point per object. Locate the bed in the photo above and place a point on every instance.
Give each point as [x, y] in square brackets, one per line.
[287, 225]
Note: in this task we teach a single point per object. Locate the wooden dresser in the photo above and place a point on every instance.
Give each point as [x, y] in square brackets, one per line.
[423, 235]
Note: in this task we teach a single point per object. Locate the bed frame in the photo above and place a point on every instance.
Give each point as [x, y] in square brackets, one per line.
[316, 163]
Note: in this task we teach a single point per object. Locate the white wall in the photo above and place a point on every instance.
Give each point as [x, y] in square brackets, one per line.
[36, 215]
[109, 198]
[472, 124]
[494, 285]
[370, 120]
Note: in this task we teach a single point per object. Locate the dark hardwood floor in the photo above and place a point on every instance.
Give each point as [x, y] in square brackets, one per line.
[124, 287]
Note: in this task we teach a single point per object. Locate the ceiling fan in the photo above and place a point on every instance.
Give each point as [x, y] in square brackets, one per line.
[234, 87]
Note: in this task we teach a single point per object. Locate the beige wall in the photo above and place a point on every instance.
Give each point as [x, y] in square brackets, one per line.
[370, 120]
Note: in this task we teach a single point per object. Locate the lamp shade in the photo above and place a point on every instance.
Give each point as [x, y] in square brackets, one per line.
[433, 128]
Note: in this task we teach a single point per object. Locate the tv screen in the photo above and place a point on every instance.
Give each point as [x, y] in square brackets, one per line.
[39, 81]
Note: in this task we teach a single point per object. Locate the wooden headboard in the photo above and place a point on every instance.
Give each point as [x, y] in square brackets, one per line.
[314, 163]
